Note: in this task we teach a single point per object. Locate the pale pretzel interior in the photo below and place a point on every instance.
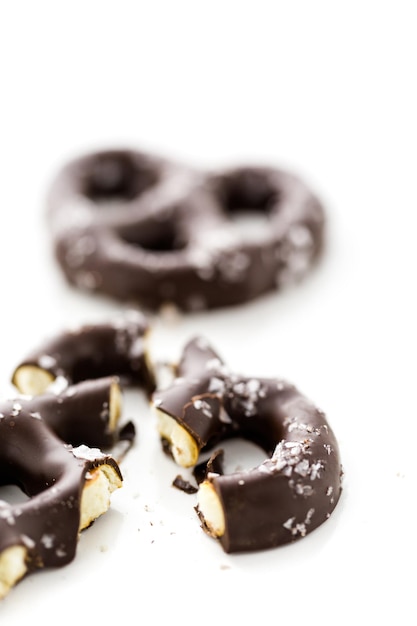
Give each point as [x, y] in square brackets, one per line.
[95, 499]
[12, 567]
[100, 483]
[183, 446]
[210, 509]
[32, 380]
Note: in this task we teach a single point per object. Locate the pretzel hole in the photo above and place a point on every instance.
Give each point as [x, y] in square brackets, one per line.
[240, 454]
[247, 198]
[156, 237]
[13, 494]
[115, 177]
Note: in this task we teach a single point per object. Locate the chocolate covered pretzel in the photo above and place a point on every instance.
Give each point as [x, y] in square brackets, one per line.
[52, 434]
[67, 489]
[292, 492]
[89, 352]
[86, 413]
[140, 228]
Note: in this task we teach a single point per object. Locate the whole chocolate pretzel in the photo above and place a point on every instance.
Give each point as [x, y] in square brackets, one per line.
[144, 229]
[282, 499]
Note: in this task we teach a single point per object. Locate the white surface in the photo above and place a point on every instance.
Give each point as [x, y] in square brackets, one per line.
[326, 89]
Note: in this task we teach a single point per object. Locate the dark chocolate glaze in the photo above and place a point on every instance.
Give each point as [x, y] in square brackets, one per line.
[139, 228]
[52, 474]
[298, 485]
[212, 465]
[184, 485]
[80, 414]
[98, 350]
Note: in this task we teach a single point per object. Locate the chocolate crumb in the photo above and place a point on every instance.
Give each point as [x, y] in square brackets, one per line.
[214, 465]
[184, 485]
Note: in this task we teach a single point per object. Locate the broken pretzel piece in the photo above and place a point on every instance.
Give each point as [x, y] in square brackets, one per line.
[292, 492]
[67, 489]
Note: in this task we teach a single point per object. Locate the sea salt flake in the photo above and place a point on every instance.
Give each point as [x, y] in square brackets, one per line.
[216, 385]
[46, 361]
[59, 385]
[48, 541]
[302, 467]
[87, 453]
[61, 552]
[288, 524]
[28, 541]
[309, 515]
[16, 408]
[105, 411]
[301, 529]
[204, 407]
[245, 395]
[315, 470]
[88, 280]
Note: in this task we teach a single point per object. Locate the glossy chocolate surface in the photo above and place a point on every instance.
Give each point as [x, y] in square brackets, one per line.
[52, 474]
[80, 414]
[140, 228]
[94, 351]
[297, 486]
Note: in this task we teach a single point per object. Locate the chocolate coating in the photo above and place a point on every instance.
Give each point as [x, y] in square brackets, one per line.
[144, 229]
[52, 474]
[92, 351]
[298, 485]
[80, 414]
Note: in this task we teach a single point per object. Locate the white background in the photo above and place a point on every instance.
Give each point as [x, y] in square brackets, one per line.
[327, 89]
